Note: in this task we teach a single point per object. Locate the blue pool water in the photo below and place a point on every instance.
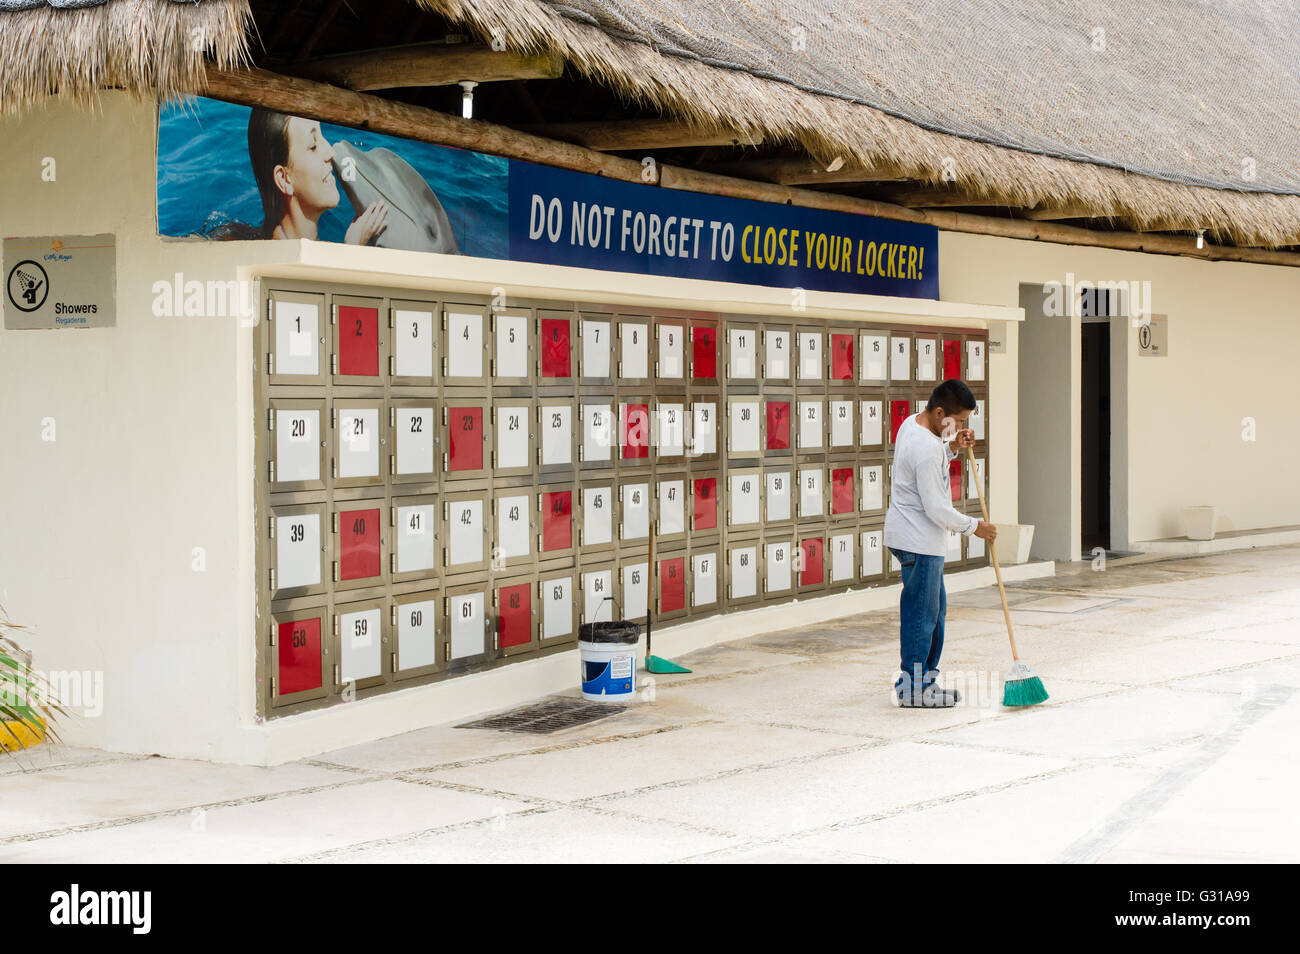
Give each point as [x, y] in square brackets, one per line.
[205, 177]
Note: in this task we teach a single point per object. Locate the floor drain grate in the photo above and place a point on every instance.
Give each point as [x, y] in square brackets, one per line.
[545, 717]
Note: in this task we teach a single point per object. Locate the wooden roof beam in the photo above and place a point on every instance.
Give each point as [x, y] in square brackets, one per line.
[801, 171]
[941, 199]
[1064, 212]
[620, 134]
[428, 64]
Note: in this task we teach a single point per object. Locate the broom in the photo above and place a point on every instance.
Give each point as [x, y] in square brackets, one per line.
[1022, 686]
[654, 663]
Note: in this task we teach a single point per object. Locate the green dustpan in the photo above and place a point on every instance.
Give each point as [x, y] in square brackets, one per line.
[660, 665]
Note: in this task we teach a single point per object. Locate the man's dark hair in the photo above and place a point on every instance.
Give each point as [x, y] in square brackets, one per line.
[953, 396]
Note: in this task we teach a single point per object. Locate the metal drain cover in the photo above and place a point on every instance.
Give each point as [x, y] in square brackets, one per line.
[545, 717]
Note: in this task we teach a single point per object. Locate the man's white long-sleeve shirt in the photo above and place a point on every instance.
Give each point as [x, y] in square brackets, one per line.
[920, 498]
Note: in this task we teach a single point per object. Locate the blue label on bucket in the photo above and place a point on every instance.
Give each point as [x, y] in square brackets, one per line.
[598, 678]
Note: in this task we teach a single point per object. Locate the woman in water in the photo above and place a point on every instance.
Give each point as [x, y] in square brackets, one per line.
[292, 165]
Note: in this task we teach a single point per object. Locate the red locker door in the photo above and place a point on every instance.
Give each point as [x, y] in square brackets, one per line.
[636, 430]
[515, 614]
[951, 359]
[557, 520]
[672, 584]
[465, 438]
[704, 352]
[898, 413]
[842, 490]
[555, 348]
[358, 544]
[299, 655]
[812, 561]
[358, 340]
[778, 425]
[704, 504]
[842, 357]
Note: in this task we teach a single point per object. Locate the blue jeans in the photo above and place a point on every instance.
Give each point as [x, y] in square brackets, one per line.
[920, 619]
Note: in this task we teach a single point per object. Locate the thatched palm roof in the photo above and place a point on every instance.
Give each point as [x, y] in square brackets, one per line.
[72, 48]
[1153, 129]
[1168, 114]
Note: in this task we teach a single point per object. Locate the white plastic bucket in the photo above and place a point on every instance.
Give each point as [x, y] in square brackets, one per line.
[608, 671]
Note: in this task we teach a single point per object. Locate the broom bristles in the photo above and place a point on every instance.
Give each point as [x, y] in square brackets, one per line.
[1023, 687]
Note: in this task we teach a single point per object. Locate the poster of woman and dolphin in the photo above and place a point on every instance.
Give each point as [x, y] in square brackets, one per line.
[228, 172]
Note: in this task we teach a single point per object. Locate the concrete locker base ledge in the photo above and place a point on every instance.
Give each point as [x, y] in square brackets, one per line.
[463, 698]
[1222, 542]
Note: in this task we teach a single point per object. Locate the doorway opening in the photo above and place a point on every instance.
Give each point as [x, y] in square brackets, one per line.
[1097, 307]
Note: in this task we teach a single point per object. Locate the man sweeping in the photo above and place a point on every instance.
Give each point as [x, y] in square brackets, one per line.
[916, 527]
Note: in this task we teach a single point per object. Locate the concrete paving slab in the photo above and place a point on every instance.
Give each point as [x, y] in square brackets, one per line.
[1102, 727]
[445, 745]
[561, 836]
[785, 800]
[604, 768]
[274, 830]
[1240, 808]
[92, 793]
[1021, 822]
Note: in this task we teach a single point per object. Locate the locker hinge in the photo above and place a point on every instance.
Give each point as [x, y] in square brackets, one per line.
[334, 314]
[392, 563]
[270, 419]
[392, 365]
[392, 662]
[270, 468]
[272, 579]
[334, 364]
[392, 416]
[270, 363]
[274, 685]
[336, 674]
[273, 635]
[336, 571]
[336, 624]
[335, 522]
[496, 641]
[392, 464]
[271, 527]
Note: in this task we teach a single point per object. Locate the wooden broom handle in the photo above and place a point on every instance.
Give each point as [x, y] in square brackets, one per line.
[993, 550]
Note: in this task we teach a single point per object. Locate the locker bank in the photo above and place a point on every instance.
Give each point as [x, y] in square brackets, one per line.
[293, 481]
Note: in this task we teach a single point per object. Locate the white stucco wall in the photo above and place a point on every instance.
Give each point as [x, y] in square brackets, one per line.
[153, 456]
[1232, 330]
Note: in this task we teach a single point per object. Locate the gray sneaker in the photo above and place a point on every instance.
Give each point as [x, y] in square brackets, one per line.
[932, 697]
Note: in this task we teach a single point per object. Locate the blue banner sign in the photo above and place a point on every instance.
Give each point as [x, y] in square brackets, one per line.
[231, 172]
[570, 218]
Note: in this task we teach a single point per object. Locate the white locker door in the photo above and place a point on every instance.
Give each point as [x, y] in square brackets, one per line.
[704, 436]
[744, 499]
[872, 488]
[512, 436]
[874, 351]
[810, 424]
[778, 566]
[513, 536]
[417, 634]
[597, 593]
[359, 648]
[841, 557]
[636, 511]
[467, 624]
[597, 515]
[557, 434]
[672, 506]
[415, 544]
[811, 503]
[776, 354]
[597, 431]
[557, 607]
[873, 550]
[595, 349]
[778, 495]
[465, 346]
[704, 579]
[744, 572]
[841, 423]
[464, 531]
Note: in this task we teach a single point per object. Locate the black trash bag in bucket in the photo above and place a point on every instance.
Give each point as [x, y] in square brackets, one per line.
[610, 631]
